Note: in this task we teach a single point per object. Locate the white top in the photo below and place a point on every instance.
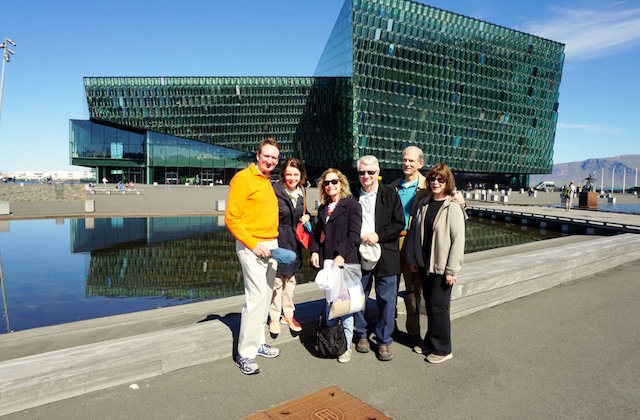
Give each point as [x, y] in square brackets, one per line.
[368, 204]
[293, 195]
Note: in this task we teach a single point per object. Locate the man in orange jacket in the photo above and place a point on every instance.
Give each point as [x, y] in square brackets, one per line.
[252, 217]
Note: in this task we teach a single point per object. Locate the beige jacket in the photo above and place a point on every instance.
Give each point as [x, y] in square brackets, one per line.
[447, 241]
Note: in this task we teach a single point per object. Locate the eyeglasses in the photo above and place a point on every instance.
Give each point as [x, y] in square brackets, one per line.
[439, 180]
[361, 173]
[330, 181]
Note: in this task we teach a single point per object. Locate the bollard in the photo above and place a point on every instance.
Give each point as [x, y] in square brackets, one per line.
[4, 207]
[521, 190]
[155, 184]
[89, 206]
[211, 184]
[220, 205]
[108, 192]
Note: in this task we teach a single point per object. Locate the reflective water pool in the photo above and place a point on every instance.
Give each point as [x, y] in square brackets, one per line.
[64, 270]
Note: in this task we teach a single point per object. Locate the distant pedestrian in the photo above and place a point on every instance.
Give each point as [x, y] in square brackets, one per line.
[569, 194]
[197, 180]
[104, 181]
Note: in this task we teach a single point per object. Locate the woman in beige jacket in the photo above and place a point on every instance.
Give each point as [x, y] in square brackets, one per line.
[435, 249]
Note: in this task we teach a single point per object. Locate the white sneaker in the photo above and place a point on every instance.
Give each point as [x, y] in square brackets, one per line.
[345, 357]
[436, 358]
[247, 366]
[267, 351]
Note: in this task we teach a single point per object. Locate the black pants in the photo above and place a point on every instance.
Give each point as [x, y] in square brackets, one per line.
[437, 298]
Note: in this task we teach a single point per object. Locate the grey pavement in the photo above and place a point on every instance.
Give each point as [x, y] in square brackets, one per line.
[188, 200]
[567, 352]
[153, 201]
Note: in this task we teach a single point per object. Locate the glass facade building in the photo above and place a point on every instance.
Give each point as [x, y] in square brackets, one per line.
[145, 156]
[480, 97]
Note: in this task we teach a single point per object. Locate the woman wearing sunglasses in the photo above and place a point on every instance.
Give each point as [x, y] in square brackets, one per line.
[337, 233]
[435, 250]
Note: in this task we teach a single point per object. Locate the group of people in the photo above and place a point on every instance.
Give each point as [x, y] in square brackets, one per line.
[412, 228]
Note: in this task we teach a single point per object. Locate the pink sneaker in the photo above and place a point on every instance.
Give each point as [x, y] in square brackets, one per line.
[292, 323]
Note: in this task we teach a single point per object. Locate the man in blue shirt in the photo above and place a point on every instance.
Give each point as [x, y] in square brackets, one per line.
[407, 187]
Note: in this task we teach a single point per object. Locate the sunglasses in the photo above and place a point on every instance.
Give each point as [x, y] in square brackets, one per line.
[330, 181]
[439, 180]
[361, 173]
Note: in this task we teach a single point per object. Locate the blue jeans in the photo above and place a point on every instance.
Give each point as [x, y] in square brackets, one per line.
[386, 296]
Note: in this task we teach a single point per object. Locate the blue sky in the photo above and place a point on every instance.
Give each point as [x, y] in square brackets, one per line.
[60, 42]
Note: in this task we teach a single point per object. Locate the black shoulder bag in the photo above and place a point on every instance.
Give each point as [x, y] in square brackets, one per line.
[331, 339]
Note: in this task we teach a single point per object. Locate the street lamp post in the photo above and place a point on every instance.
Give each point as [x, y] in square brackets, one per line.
[6, 57]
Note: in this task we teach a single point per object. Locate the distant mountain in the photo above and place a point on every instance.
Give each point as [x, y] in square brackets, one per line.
[563, 173]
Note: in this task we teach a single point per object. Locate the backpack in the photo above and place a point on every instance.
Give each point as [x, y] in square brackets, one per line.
[567, 192]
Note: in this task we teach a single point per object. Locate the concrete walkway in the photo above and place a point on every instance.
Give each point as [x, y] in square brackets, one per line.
[567, 352]
[588, 218]
[188, 200]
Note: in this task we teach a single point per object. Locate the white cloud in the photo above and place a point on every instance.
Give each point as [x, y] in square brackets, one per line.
[590, 33]
[591, 128]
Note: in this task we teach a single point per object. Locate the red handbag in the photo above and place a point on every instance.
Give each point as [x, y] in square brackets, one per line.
[302, 235]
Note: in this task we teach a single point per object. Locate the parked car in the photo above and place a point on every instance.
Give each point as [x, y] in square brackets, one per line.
[548, 186]
[632, 190]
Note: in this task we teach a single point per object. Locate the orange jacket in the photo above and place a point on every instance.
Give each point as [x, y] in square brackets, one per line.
[252, 208]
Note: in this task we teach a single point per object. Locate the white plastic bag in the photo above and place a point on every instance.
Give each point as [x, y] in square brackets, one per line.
[329, 279]
[350, 297]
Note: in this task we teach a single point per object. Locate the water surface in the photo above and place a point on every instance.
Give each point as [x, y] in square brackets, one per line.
[64, 270]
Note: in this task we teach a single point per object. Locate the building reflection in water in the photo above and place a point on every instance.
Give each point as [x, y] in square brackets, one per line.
[174, 257]
[194, 258]
[483, 234]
